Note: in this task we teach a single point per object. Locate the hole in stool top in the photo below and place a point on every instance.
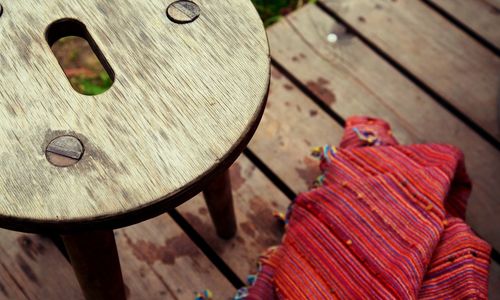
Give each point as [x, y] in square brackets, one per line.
[185, 101]
[71, 33]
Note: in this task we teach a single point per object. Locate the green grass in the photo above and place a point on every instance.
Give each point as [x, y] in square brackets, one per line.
[92, 86]
[272, 11]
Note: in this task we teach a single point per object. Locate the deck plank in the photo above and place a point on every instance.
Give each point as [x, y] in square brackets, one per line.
[483, 17]
[494, 281]
[292, 125]
[446, 59]
[159, 261]
[352, 79]
[255, 199]
[31, 267]
[284, 142]
[281, 141]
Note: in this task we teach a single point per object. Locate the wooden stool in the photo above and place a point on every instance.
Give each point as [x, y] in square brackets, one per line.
[190, 83]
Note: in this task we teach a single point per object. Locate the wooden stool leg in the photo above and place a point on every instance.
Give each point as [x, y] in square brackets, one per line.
[219, 199]
[94, 258]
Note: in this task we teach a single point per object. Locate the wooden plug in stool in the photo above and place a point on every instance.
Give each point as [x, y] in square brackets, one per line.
[190, 84]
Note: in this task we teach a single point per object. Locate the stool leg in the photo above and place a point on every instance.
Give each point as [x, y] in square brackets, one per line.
[94, 258]
[219, 199]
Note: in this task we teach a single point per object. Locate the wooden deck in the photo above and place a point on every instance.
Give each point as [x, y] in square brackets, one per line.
[431, 68]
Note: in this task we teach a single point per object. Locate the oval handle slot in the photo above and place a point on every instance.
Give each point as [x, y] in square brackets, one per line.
[70, 41]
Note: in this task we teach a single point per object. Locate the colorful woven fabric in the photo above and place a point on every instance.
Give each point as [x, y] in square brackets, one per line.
[386, 223]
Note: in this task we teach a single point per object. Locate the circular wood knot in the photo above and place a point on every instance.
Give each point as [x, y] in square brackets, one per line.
[183, 11]
[64, 151]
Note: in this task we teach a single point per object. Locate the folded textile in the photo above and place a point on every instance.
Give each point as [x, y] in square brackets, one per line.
[387, 222]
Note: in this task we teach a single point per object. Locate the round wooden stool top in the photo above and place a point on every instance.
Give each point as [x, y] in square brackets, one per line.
[189, 91]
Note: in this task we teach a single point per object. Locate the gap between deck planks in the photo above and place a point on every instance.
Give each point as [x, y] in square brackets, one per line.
[159, 261]
[255, 196]
[352, 79]
[31, 267]
[283, 141]
[157, 257]
[291, 126]
[481, 17]
[447, 60]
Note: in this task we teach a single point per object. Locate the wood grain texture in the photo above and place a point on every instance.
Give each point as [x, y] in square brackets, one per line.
[279, 142]
[352, 79]
[439, 54]
[287, 109]
[292, 124]
[297, 125]
[153, 270]
[291, 127]
[482, 16]
[255, 199]
[159, 261]
[219, 198]
[494, 281]
[31, 267]
[94, 258]
[185, 101]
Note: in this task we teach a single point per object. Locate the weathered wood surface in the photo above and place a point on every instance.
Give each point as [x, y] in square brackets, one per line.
[352, 79]
[494, 281]
[31, 267]
[219, 199]
[442, 56]
[284, 142]
[255, 199]
[296, 125]
[482, 16]
[185, 100]
[284, 145]
[94, 258]
[284, 139]
[159, 261]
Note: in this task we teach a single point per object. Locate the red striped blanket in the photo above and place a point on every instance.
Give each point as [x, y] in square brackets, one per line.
[387, 222]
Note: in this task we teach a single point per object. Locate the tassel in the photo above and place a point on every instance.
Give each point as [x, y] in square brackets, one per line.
[205, 295]
[319, 181]
[367, 137]
[241, 294]
[281, 217]
[251, 279]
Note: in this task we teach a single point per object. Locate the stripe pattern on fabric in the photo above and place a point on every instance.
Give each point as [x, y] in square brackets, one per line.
[386, 222]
